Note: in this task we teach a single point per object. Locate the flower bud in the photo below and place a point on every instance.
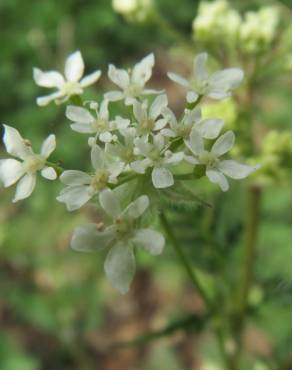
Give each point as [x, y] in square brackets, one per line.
[216, 21]
[255, 38]
[133, 10]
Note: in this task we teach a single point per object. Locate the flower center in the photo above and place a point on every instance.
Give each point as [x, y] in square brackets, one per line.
[128, 156]
[33, 163]
[133, 90]
[72, 88]
[199, 86]
[99, 180]
[123, 226]
[208, 159]
[184, 131]
[155, 156]
[147, 125]
[99, 125]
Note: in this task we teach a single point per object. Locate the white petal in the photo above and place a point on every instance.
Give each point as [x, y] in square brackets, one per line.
[192, 96]
[49, 173]
[196, 143]
[152, 92]
[87, 238]
[138, 207]
[142, 71]
[129, 100]
[223, 144]
[218, 95]
[162, 178]
[227, 79]
[192, 116]
[200, 72]
[210, 128]
[15, 144]
[120, 77]
[120, 267]
[191, 159]
[140, 166]
[74, 196]
[48, 146]
[83, 128]
[25, 187]
[97, 157]
[122, 123]
[114, 95]
[159, 103]
[106, 137]
[73, 177]
[160, 124]
[171, 118]
[90, 79]
[143, 146]
[42, 101]
[115, 169]
[159, 141]
[110, 203]
[167, 132]
[10, 171]
[174, 158]
[79, 114]
[103, 110]
[139, 111]
[178, 79]
[218, 178]
[48, 79]
[236, 170]
[74, 67]
[150, 240]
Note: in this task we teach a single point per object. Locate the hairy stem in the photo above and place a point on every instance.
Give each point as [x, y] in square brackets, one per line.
[184, 261]
[246, 274]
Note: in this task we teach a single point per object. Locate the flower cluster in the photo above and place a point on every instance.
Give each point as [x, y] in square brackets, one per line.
[144, 148]
[133, 10]
[217, 21]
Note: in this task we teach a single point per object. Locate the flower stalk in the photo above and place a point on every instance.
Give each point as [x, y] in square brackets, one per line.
[184, 261]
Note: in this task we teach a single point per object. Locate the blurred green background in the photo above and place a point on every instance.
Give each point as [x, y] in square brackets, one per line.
[57, 312]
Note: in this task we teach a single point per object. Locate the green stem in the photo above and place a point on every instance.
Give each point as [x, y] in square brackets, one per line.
[56, 167]
[193, 105]
[76, 100]
[184, 261]
[246, 274]
[125, 179]
[188, 324]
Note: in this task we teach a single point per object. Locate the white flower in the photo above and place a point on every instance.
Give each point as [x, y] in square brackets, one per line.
[192, 120]
[124, 149]
[217, 85]
[100, 124]
[72, 84]
[131, 83]
[81, 187]
[156, 158]
[149, 120]
[120, 237]
[12, 170]
[217, 169]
